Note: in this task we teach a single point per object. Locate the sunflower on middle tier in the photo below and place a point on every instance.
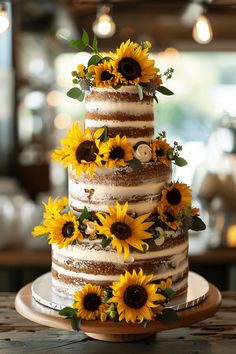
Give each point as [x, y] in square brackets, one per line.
[123, 230]
[116, 152]
[80, 150]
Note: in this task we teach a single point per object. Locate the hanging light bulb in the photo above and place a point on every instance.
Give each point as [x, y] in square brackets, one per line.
[104, 26]
[202, 31]
[4, 22]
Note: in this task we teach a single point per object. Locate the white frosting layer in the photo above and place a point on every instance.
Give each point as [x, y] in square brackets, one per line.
[132, 89]
[107, 107]
[80, 253]
[107, 192]
[141, 124]
[141, 207]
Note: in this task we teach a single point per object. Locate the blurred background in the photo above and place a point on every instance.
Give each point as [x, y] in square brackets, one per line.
[197, 38]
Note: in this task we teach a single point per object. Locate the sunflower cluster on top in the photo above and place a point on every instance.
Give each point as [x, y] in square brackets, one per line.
[128, 65]
[134, 298]
[85, 151]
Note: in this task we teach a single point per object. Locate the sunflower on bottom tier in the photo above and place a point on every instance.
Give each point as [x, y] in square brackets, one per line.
[89, 303]
[123, 230]
[136, 297]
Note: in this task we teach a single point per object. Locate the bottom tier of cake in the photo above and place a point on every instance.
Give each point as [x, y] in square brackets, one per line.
[88, 262]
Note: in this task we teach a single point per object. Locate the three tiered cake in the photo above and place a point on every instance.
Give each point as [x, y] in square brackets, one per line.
[124, 219]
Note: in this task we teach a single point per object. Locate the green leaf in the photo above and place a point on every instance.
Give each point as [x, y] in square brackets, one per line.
[68, 312]
[140, 92]
[94, 60]
[85, 38]
[104, 135]
[168, 293]
[74, 93]
[81, 96]
[168, 316]
[117, 86]
[179, 161]
[152, 245]
[75, 322]
[164, 90]
[135, 164]
[85, 215]
[77, 44]
[197, 224]
[106, 58]
[95, 44]
[105, 241]
[155, 98]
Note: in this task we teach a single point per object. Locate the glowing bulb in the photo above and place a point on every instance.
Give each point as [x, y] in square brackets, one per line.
[4, 22]
[104, 26]
[202, 31]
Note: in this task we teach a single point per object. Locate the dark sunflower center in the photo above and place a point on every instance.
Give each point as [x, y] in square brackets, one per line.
[121, 230]
[68, 229]
[159, 153]
[117, 153]
[86, 151]
[92, 302]
[135, 296]
[129, 68]
[169, 217]
[105, 75]
[173, 196]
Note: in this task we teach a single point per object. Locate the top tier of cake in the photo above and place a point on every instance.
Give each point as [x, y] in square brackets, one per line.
[122, 112]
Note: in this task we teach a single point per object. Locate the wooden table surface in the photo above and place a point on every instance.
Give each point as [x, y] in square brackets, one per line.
[216, 335]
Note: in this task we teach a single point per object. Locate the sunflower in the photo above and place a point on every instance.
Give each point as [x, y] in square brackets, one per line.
[80, 150]
[52, 209]
[116, 151]
[176, 196]
[63, 230]
[103, 75]
[168, 217]
[89, 303]
[135, 297]
[131, 64]
[123, 230]
[164, 284]
[81, 70]
[160, 150]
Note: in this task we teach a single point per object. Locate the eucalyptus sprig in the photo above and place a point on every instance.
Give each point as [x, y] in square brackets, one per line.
[83, 43]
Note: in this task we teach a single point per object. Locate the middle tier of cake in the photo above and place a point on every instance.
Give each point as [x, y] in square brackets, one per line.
[139, 188]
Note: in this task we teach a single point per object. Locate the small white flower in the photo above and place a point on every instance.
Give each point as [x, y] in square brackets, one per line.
[160, 240]
[91, 228]
[143, 153]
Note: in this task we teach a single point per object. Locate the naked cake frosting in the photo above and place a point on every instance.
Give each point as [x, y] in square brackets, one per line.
[124, 217]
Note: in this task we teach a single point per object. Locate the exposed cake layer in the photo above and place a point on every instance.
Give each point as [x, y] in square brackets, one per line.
[88, 262]
[121, 111]
[140, 188]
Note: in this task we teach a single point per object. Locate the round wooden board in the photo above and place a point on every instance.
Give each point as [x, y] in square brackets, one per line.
[114, 331]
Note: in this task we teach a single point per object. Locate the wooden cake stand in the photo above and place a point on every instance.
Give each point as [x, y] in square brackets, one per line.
[28, 307]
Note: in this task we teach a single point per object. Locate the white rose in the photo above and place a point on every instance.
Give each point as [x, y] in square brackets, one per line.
[143, 153]
[91, 228]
